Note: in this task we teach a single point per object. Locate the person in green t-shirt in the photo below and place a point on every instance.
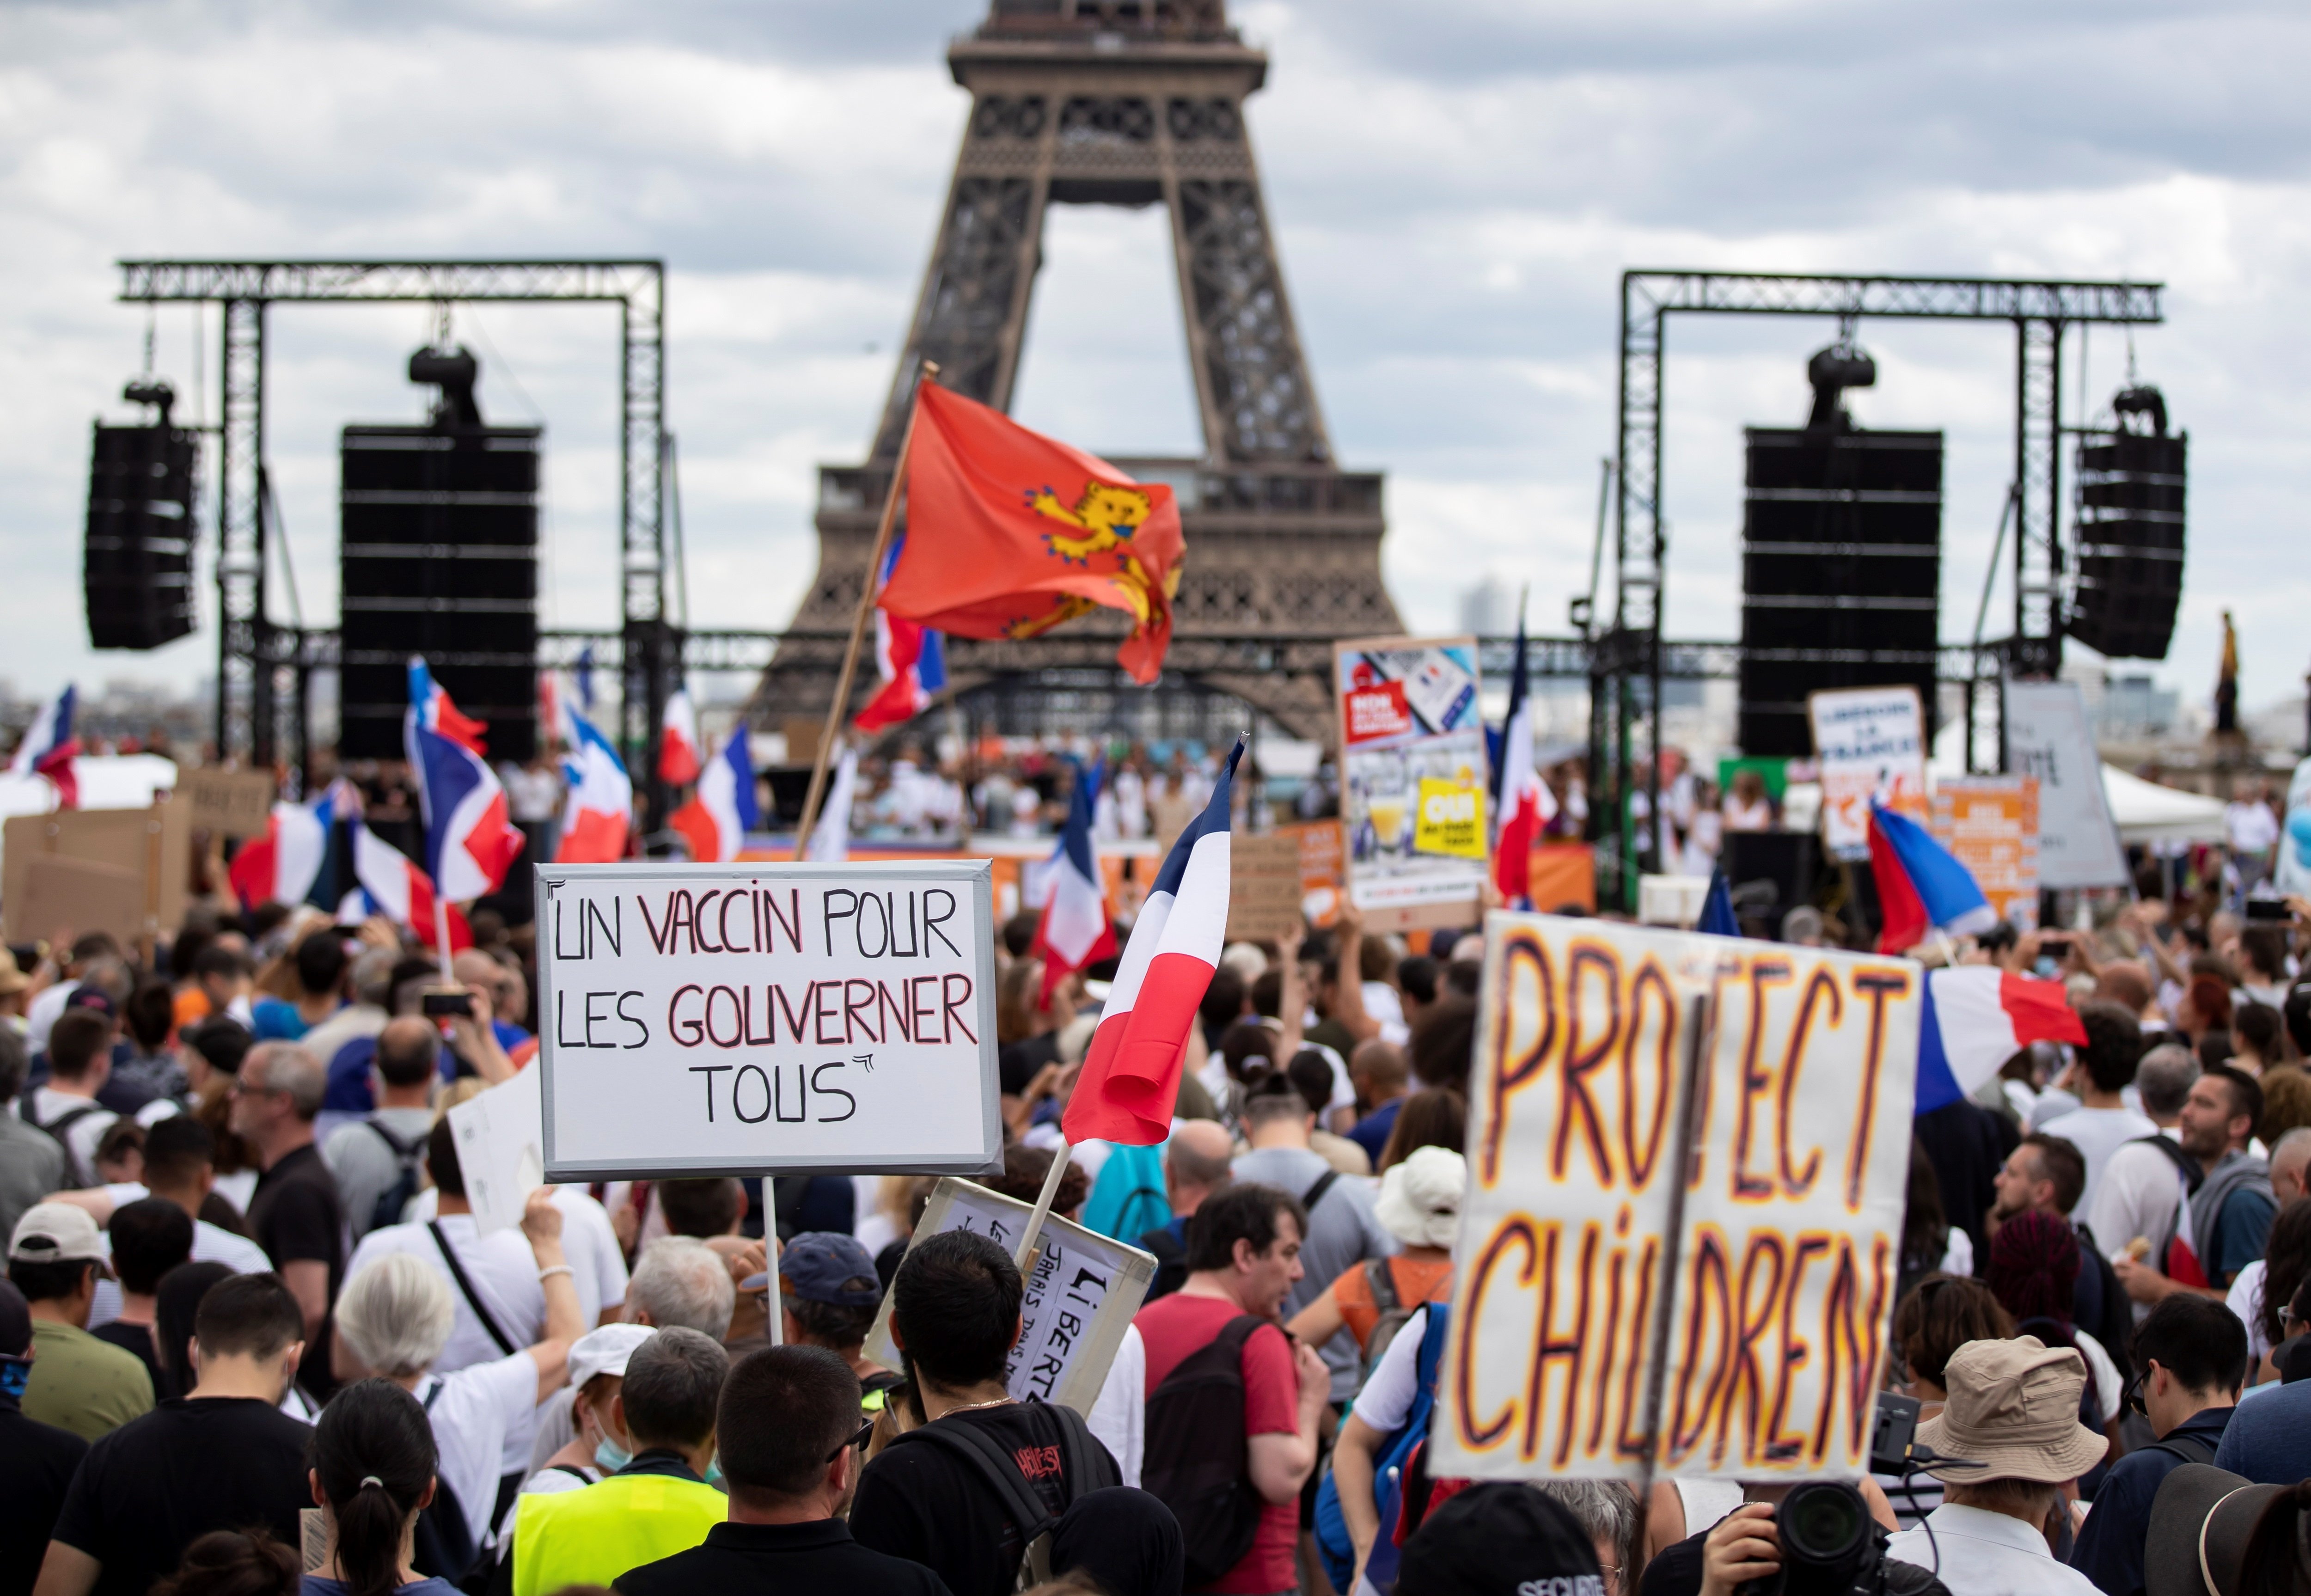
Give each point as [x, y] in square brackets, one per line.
[78, 1383]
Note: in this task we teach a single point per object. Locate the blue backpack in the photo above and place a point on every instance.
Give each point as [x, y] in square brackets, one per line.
[1332, 1542]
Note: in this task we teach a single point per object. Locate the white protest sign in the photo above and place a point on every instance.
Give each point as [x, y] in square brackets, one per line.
[2047, 736]
[751, 1018]
[1079, 1301]
[501, 1149]
[1787, 1258]
[1872, 744]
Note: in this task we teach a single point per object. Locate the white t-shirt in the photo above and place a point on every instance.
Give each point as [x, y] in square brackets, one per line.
[2253, 827]
[598, 1268]
[1386, 1400]
[49, 1106]
[474, 1410]
[2139, 1191]
[2110, 1387]
[212, 1244]
[48, 1006]
[1119, 1416]
[2097, 1133]
[2246, 1300]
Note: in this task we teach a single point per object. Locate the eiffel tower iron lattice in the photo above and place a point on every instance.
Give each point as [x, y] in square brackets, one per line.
[1128, 102]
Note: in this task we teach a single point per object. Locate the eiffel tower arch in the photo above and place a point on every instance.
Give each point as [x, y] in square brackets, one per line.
[1126, 103]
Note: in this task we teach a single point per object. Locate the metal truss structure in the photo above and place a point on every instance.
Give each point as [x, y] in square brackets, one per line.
[262, 665]
[1074, 102]
[1629, 660]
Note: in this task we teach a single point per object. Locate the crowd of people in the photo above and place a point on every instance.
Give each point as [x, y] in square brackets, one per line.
[255, 1337]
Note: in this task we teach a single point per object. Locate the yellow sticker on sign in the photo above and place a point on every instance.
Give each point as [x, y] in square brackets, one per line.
[1452, 818]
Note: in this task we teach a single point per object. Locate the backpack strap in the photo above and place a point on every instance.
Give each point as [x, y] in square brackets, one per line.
[60, 1129]
[1315, 1193]
[465, 1284]
[2188, 1449]
[2194, 1176]
[403, 1151]
[986, 1458]
[1380, 1279]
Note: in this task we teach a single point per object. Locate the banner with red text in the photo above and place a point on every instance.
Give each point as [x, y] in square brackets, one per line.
[1783, 1275]
[751, 1017]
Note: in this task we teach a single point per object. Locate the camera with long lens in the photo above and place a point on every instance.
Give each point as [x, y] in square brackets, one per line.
[1830, 1545]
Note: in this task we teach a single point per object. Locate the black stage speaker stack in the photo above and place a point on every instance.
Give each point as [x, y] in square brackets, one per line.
[439, 558]
[136, 559]
[1841, 562]
[2130, 530]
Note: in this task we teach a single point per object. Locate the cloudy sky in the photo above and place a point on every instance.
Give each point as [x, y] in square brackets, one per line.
[1457, 186]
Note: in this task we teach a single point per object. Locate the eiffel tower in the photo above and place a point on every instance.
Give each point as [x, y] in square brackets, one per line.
[1126, 103]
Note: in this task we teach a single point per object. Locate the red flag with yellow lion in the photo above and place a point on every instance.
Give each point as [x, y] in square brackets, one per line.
[1010, 534]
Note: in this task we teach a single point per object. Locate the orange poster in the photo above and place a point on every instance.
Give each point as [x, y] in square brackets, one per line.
[1989, 824]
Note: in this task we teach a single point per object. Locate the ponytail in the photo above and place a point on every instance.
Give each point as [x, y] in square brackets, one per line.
[373, 1450]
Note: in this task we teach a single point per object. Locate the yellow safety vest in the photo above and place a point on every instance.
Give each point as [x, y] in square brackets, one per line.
[591, 1537]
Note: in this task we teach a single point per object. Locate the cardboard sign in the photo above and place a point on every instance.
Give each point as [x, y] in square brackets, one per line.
[155, 844]
[2047, 736]
[1785, 1264]
[79, 894]
[1410, 732]
[1872, 741]
[1320, 869]
[1081, 1293]
[230, 803]
[1264, 889]
[752, 1018]
[1989, 824]
[500, 1139]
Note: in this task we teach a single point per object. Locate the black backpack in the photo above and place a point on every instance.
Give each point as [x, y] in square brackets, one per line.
[1195, 1455]
[57, 1128]
[1084, 1468]
[407, 1182]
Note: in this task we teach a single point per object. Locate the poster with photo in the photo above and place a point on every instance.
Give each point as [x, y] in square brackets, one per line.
[1412, 779]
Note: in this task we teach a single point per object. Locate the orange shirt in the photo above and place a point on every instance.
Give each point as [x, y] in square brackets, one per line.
[1417, 1280]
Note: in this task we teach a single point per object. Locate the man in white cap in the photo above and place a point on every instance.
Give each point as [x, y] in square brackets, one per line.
[78, 1383]
[2012, 1431]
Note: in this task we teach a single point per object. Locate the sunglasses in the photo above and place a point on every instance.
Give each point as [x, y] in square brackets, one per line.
[865, 1430]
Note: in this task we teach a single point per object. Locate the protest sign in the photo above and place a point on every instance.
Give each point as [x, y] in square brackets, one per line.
[1777, 1281]
[1080, 1294]
[155, 844]
[1412, 773]
[229, 803]
[500, 1138]
[2047, 736]
[1872, 744]
[1320, 869]
[1264, 889]
[748, 1018]
[1989, 824]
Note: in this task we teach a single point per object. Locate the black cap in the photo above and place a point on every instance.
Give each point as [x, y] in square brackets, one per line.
[1499, 1539]
[16, 1321]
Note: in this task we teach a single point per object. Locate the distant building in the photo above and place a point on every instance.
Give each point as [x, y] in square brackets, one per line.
[1489, 609]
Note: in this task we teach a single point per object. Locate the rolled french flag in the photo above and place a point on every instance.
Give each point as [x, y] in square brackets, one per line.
[1921, 886]
[393, 884]
[1074, 931]
[49, 748]
[1978, 1017]
[1520, 797]
[829, 839]
[913, 660]
[1130, 1076]
[283, 865]
[716, 819]
[432, 705]
[469, 841]
[600, 811]
[678, 741]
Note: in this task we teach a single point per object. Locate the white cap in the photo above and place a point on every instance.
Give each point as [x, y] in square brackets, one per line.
[57, 1232]
[1420, 1197]
[604, 1351]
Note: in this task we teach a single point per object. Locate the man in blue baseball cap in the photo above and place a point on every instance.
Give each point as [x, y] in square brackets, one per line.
[828, 1294]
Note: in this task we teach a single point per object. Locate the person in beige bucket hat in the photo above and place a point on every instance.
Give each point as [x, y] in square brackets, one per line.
[2011, 1436]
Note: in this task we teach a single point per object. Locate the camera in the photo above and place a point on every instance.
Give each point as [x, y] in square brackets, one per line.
[448, 1003]
[1830, 1545]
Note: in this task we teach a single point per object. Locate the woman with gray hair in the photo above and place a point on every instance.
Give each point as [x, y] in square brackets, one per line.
[394, 1318]
[1607, 1512]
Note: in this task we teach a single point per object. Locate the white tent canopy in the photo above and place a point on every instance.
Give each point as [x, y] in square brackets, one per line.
[2146, 812]
[107, 781]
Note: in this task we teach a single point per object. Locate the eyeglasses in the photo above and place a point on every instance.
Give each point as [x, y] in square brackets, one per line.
[865, 1430]
[241, 1088]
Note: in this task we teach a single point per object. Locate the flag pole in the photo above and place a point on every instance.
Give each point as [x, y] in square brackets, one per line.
[867, 589]
[1025, 1249]
[442, 937]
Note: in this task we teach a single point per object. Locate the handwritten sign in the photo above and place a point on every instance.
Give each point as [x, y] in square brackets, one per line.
[746, 1018]
[230, 803]
[1989, 824]
[500, 1154]
[1264, 889]
[1079, 1299]
[2047, 736]
[1872, 741]
[1786, 1259]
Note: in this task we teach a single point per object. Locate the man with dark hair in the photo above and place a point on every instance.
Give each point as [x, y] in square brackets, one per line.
[2045, 1175]
[31, 1161]
[930, 1496]
[2231, 1206]
[224, 977]
[2263, 958]
[77, 1382]
[36, 1460]
[788, 1429]
[1223, 1004]
[80, 1061]
[88, 950]
[148, 1238]
[659, 1504]
[1244, 1260]
[224, 1456]
[2190, 1359]
[2103, 1072]
[294, 1215]
[319, 962]
[703, 1207]
[382, 1152]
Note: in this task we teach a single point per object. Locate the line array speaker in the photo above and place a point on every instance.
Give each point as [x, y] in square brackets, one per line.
[136, 559]
[2130, 535]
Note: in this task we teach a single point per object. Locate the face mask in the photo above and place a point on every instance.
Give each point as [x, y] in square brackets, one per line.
[610, 1457]
[14, 1372]
[714, 1471]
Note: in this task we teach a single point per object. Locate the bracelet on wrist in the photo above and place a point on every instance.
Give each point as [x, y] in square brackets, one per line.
[548, 1273]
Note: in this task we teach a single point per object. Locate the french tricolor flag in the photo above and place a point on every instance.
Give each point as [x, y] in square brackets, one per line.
[282, 866]
[719, 818]
[678, 741]
[1921, 886]
[913, 660]
[469, 843]
[48, 747]
[1130, 1076]
[1520, 797]
[600, 809]
[431, 702]
[392, 884]
[1074, 931]
[1978, 1017]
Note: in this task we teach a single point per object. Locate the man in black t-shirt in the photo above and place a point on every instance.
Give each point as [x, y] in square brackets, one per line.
[295, 1216]
[225, 1458]
[787, 1429]
[955, 1314]
[36, 1460]
[148, 1237]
